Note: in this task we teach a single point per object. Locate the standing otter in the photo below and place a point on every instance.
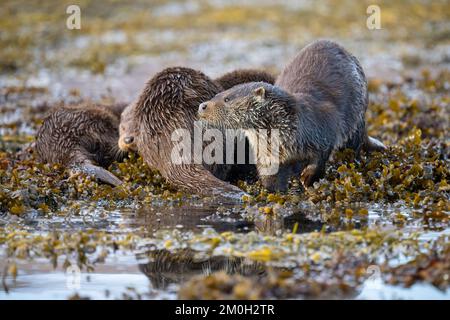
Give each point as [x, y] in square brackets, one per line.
[84, 137]
[169, 102]
[317, 105]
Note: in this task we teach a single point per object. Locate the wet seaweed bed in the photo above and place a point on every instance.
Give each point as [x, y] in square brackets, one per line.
[375, 227]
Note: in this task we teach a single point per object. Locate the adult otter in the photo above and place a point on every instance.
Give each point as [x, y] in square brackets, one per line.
[317, 105]
[82, 136]
[169, 102]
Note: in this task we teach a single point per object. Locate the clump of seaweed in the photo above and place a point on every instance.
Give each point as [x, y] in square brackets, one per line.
[28, 185]
[413, 171]
[82, 248]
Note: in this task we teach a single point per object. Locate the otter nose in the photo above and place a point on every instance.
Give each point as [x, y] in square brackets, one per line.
[128, 140]
[202, 107]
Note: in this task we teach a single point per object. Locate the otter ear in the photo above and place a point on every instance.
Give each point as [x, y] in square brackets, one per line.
[259, 93]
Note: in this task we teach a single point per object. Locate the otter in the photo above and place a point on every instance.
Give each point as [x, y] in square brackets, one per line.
[317, 105]
[82, 137]
[169, 102]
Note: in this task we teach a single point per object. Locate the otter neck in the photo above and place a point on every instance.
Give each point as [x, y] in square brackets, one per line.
[318, 123]
[276, 111]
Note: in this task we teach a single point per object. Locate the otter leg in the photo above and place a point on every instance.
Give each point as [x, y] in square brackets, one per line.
[277, 182]
[314, 171]
[296, 168]
[195, 178]
[269, 182]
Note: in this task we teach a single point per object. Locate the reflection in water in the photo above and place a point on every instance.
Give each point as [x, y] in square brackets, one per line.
[221, 219]
[165, 268]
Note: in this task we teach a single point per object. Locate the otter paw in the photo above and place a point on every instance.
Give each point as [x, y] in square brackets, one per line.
[308, 176]
[270, 183]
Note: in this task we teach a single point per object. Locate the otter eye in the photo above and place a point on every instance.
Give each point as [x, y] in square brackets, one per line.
[226, 99]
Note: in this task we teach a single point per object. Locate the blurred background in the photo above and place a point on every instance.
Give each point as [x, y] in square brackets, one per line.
[122, 43]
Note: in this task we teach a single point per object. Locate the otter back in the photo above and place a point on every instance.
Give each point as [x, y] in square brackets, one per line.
[327, 73]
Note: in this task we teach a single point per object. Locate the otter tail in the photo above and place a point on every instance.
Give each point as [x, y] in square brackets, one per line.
[195, 178]
[372, 144]
[100, 173]
[85, 165]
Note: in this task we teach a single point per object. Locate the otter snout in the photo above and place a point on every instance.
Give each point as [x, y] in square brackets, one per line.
[127, 143]
[202, 108]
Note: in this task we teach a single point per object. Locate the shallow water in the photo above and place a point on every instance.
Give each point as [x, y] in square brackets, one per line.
[122, 279]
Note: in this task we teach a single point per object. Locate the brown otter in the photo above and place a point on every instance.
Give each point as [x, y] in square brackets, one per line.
[82, 137]
[317, 105]
[169, 102]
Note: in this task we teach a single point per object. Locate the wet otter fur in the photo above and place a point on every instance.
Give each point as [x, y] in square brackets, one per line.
[245, 171]
[82, 137]
[317, 103]
[169, 102]
[233, 78]
[129, 129]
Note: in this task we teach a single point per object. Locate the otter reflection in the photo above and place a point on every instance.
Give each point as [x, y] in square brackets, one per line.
[165, 268]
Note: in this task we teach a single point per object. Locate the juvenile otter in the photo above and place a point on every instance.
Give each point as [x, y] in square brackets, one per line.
[169, 102]
[317, 103]
[84, 137]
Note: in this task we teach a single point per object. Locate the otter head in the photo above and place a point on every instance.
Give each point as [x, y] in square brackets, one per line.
[127, 130]
[239, 107]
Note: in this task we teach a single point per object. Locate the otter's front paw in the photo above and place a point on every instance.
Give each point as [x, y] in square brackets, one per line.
[274, 183]
[309, 175]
